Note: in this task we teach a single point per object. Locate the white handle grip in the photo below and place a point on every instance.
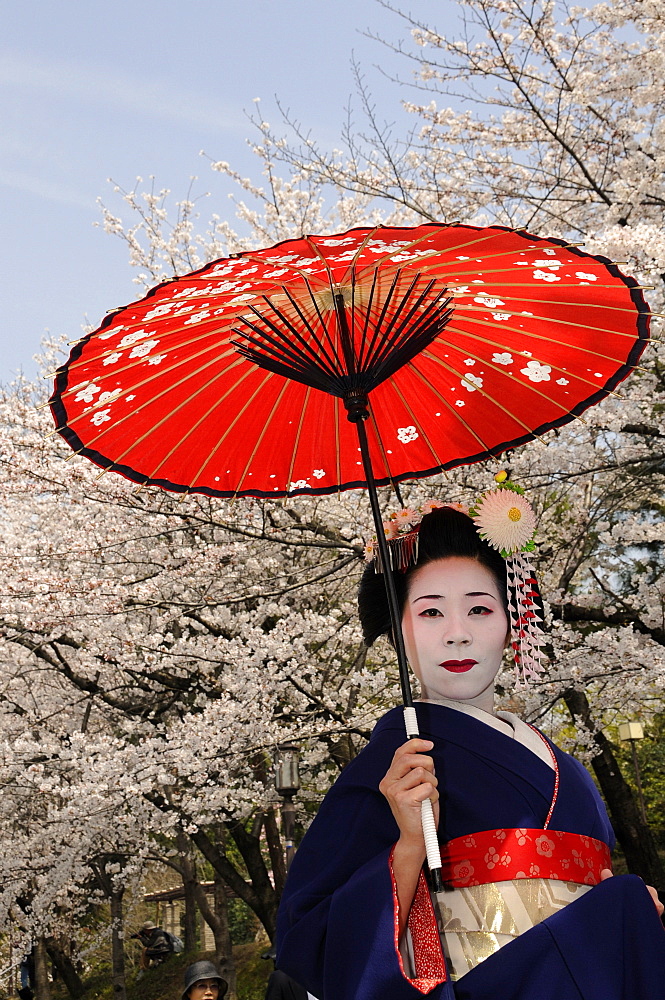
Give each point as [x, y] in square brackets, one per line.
[430, 835]
[410, 721]
[426, 811]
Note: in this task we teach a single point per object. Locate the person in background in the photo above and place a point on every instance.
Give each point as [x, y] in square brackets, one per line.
[156, 944]
[202, 981]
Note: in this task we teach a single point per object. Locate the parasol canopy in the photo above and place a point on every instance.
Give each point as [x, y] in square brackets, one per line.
[471, 341]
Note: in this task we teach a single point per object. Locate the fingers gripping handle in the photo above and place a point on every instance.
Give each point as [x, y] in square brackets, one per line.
[426, 812]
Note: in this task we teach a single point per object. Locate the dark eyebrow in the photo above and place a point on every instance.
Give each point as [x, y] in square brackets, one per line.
[440, 597]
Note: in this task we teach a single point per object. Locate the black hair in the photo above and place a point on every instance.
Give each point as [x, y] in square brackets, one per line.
[444, 532]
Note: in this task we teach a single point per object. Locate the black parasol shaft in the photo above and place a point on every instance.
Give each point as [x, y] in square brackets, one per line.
[391, 593]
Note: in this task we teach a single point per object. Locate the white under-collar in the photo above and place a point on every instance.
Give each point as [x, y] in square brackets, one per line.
[504, 722]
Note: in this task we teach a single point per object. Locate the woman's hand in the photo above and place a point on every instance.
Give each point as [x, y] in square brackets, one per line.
[410, 780]
[606, 873]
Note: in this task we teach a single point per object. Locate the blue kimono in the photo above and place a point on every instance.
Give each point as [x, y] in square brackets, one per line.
[336, 924]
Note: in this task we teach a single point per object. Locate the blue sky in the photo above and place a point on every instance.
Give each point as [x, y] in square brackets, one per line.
[93, 90]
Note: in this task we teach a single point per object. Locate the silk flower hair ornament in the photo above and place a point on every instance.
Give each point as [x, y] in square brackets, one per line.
[505, 519]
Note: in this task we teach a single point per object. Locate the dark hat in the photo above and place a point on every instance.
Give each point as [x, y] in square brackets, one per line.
[203, 970]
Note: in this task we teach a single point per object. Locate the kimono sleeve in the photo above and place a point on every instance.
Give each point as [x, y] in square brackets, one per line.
[336, 923]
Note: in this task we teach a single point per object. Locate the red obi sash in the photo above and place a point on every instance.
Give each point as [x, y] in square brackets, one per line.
[500, 855]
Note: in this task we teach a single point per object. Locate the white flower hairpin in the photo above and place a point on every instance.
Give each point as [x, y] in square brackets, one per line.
[505, 518]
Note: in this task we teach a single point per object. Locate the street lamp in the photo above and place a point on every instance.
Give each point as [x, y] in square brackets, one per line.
[633, 731]
[287, 783]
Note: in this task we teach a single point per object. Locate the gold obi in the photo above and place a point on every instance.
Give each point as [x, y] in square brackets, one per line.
[474, 922]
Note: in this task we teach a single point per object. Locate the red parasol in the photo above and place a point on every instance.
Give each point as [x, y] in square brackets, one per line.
[238, 379]
[538, 332]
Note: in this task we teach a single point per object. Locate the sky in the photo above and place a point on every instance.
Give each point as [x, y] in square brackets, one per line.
[95, 90]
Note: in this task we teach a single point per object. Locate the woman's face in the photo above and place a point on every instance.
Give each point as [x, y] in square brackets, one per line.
[455, 630]
[204, 989]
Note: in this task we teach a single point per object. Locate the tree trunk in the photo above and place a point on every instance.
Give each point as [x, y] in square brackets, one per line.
[216, 917]
[117, 949]
[66, 969]
[259, 894]
[275, 850]
[189, 879]
[633, 834]
[224, 945]
[42, 984]
[249, 846]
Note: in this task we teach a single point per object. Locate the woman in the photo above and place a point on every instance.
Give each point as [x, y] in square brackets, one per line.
[202, 981]
[530, 911]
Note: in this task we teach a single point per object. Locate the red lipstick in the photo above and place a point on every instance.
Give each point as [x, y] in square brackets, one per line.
[458, 666]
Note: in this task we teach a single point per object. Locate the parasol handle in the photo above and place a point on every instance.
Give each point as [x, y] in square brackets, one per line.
[426, 814]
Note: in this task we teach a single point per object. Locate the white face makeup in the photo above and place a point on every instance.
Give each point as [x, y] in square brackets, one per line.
[455, 630]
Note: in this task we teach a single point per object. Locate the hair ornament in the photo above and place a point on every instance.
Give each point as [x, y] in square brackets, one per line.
[505, 519]
[401, 528]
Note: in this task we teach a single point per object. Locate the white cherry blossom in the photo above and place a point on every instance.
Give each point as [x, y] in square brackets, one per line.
[536, 372]
[197, 317]
[88, 394]
[472, 382]
[490, 301]
[545, 276]
[105, 397]
[141, 350]
[131, 338]
[407, 434]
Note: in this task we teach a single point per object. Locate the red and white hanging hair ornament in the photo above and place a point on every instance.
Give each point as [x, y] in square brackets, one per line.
[506, 520]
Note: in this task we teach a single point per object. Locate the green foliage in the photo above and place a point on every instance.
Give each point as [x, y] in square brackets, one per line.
[163, 982]
[243, 923]
[650, 754]
[253, 971]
